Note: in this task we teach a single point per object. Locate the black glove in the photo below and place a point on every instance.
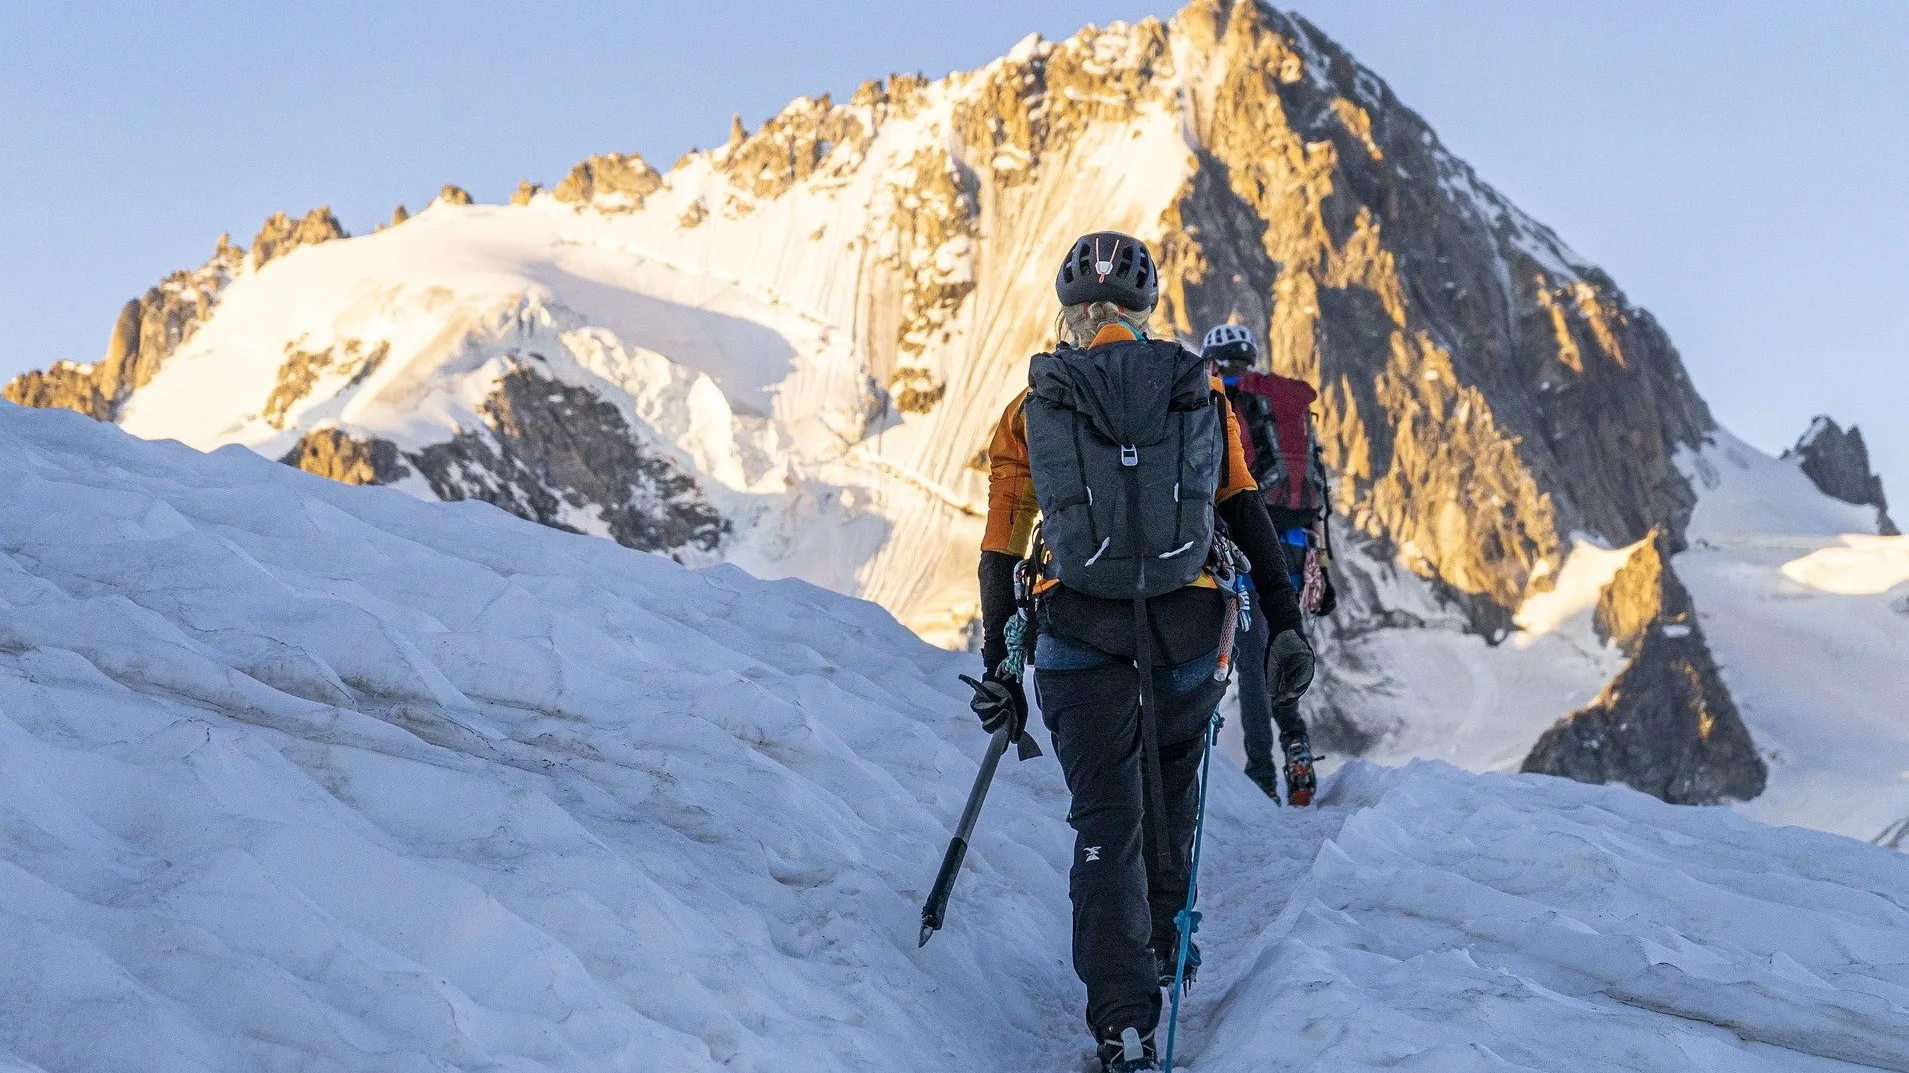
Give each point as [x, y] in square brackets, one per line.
[1001, 701]
[1328, 598]
[1289, 665]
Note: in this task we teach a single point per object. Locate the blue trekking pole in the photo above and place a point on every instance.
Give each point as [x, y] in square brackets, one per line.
[1189, 918]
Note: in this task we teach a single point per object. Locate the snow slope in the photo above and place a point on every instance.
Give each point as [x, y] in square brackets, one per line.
[1808, 613]
[301, 776]
[295, 775]
[739, 346]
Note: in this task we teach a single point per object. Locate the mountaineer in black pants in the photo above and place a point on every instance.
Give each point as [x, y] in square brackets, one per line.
[1275, 414]
[1126, 451]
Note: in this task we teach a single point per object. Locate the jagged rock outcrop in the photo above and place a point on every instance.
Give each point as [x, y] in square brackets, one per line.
[558, 454]
[352, 361]
[151, 327]
[1667, 724]
[526, 190]
[454, 195]
[792, 144]
[608, 182]
[1837, 462]
[337, 455]
[64, 385]
[281, 234]
[548, 451]
[1633, 601]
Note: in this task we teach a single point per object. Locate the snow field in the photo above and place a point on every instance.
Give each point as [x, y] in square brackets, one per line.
[1455, 922]
[1806, 617]
[297, 776]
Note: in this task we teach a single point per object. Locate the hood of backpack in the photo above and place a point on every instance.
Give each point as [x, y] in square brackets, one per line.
[1124, 389]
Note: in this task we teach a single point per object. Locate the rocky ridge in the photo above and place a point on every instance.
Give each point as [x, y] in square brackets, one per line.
[155, 324]
[607, 182]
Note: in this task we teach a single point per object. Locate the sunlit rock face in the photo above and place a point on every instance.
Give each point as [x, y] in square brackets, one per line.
[1666, 725]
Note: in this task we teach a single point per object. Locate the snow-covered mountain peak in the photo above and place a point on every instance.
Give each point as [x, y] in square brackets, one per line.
[789, 352]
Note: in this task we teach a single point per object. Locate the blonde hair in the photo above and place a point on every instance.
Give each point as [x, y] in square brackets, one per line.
[1077, 325]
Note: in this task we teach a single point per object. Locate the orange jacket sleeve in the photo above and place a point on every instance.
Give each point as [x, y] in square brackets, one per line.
[1012, 508]
[1238, 476]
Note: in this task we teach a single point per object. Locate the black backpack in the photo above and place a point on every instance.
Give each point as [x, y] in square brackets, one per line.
[1126, 442]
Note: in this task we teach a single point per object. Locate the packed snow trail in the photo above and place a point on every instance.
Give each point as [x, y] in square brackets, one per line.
[295, 775]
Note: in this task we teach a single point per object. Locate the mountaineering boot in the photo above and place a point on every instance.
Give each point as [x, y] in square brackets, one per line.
[1166, 961]
[1300, 780]
[1130, 1052]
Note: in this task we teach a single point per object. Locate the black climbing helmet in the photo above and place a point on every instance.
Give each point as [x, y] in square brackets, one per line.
[1108, 266]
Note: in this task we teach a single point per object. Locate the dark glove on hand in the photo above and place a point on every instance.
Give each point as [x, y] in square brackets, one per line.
[1328, 598]
[1001, 701]
[1289, 666]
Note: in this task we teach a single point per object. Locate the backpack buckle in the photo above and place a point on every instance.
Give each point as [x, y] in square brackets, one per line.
[1129, 455]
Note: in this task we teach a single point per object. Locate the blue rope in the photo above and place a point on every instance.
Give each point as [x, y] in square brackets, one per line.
[1188, 919]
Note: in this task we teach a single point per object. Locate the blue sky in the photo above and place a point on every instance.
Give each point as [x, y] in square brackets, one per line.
[1739, 168]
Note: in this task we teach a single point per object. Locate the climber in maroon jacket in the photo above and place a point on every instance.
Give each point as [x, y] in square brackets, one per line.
[1274, 415]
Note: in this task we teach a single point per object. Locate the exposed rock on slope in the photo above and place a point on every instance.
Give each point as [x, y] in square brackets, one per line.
[1667, 725]
[282, 234]
[607, 182]
[154, 325]
[558, 454]
[550, 452]
[793, 144]
[338, 456]
[1837, 462]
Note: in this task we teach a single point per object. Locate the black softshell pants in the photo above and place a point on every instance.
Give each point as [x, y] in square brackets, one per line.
[1125, 898]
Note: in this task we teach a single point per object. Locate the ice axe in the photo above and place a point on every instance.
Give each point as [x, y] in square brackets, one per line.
[936, 908]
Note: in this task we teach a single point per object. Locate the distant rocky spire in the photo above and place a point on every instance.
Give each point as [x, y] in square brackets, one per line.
[1837, 462]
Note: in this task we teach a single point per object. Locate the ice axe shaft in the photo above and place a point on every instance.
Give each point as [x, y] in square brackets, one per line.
[936, 910]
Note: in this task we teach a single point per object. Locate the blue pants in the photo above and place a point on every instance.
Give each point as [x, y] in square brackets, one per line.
[1258, 714]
